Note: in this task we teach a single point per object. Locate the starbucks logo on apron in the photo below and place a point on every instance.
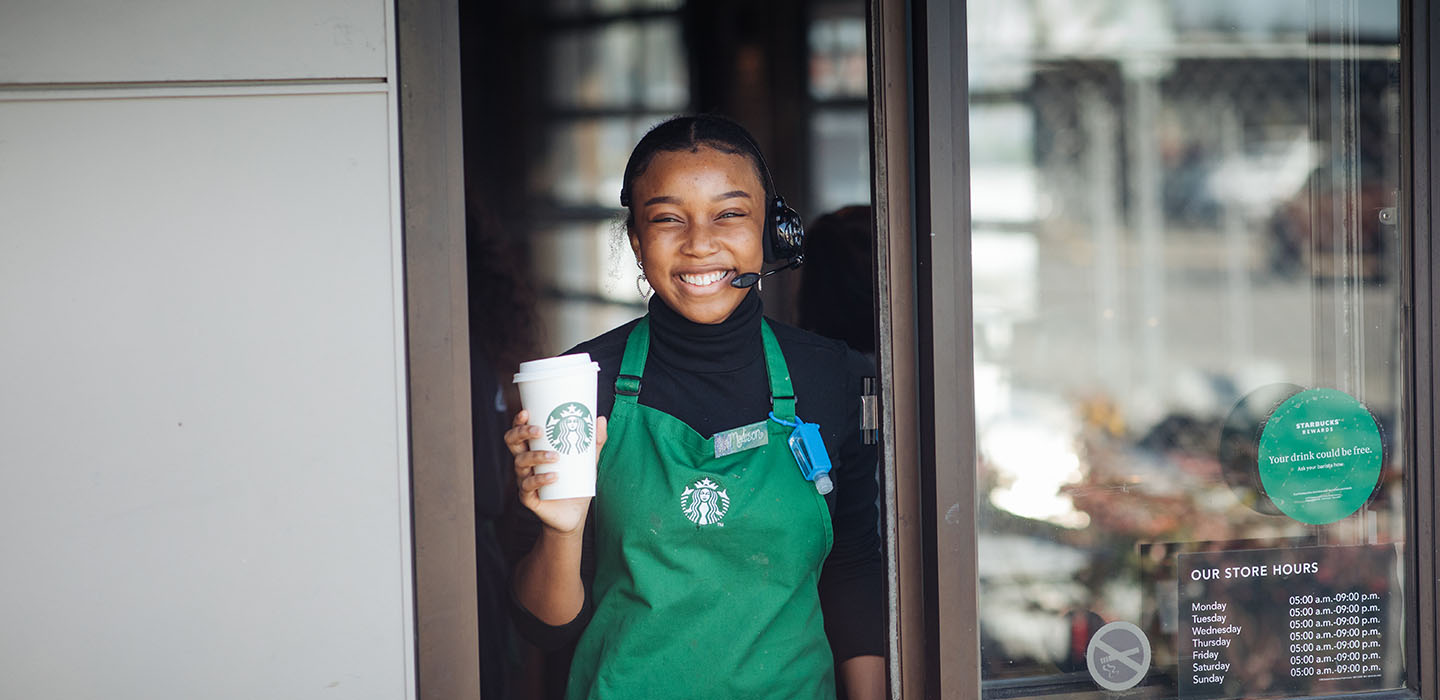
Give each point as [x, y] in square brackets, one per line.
[570, 428]
[704, 502]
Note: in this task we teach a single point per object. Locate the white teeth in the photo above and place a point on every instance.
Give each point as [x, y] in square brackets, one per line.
[702, 280]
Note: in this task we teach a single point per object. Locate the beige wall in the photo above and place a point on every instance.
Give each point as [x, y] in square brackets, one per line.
[203, 424]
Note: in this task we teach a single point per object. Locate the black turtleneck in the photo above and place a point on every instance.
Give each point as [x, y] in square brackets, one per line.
[712, 377]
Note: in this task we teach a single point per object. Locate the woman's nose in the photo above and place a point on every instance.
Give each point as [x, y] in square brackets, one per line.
[703, 239]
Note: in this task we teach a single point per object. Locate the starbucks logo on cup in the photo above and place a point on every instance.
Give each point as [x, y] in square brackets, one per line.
[570, 428]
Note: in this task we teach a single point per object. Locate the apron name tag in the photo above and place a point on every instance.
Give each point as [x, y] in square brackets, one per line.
[742, 438]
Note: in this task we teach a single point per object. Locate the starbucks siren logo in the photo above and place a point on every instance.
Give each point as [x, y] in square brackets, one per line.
[570, 428]
[704, 502]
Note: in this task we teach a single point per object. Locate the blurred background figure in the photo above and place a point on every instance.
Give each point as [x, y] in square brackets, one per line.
[837, 293]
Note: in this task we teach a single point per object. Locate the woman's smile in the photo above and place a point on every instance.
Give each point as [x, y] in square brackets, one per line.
[703, 279]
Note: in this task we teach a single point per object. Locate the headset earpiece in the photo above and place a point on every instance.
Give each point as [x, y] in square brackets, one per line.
[785, 236]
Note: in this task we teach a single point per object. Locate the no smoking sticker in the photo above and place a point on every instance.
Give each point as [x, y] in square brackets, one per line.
[1118, 656]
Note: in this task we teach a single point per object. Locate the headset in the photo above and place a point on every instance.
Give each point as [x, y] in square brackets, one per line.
[784, 228]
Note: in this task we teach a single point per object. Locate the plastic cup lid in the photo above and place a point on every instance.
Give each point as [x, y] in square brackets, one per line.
[550, 367]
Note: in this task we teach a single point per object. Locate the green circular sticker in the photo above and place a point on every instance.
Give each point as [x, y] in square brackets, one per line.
[1319, 456]
[570, 428]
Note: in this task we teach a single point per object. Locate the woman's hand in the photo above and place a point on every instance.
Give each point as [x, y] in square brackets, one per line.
[547, 579]
[565, 516]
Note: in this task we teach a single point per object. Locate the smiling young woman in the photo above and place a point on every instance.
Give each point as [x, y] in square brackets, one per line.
[713, 566]
[699, 223]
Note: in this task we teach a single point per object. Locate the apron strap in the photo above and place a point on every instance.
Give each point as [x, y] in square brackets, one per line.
[632, 365]
[637, 348]
[782, 394]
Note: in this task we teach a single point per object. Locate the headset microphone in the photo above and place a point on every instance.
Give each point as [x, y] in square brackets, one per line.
[748, 279]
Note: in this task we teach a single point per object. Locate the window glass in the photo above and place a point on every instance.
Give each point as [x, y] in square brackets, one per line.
[840, 157]
[594, 68]
[579, 7]
[579, 185]
[584, 164]
[556, 251]
[621, 64]
[1189, 324]
[837, 54]
[839, 134]
[608, 79]
[664, 78]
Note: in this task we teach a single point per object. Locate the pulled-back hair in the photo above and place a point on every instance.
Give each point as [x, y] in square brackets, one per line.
[690, 133]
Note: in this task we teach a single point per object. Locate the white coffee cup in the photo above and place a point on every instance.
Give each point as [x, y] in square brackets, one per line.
[559, 393]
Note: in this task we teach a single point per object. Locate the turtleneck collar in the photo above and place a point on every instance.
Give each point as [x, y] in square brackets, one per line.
[704, 348]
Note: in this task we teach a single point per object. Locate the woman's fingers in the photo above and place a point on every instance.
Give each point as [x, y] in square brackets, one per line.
[532, 483]
[527, 481]
[526, 460]
[518, 437]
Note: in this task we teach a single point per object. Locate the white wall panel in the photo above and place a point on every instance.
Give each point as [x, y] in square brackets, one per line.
[201, 400]
[95, 41]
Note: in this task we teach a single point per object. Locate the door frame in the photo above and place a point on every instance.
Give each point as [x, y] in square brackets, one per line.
[897, 350]
[1420, 217]
[437, 351]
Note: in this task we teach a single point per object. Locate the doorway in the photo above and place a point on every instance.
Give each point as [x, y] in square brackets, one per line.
[555, 95]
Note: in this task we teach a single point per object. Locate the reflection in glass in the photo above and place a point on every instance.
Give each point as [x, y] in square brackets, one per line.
[605, 7]
[580, 301]
[839, 129]
[609, 273]
[837, 57]
[608, 78]
[622, 64]
[839, 157]
[1176, 206]
[585, 159]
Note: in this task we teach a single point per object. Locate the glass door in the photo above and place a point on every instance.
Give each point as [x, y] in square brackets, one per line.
[1188, 290]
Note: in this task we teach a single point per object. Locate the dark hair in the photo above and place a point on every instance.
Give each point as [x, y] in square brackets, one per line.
[690, 133]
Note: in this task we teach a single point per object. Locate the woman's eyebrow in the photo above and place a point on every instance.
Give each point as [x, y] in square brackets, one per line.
[662, 199]
[732, 194]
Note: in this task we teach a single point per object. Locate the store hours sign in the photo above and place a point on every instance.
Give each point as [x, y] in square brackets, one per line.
[1289, 622]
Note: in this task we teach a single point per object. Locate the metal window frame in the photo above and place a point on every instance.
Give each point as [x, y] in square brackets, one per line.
[1420, 166]
[921, 172]
[887, 26]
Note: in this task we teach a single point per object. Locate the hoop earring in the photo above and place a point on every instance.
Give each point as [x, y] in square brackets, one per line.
[642, 285]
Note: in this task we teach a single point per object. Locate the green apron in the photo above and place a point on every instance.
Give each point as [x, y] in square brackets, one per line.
[707, 567]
